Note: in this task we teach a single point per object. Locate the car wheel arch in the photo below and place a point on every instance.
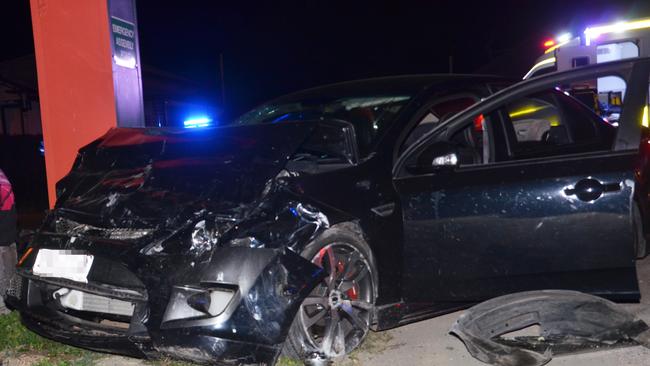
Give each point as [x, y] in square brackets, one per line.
[347, 232]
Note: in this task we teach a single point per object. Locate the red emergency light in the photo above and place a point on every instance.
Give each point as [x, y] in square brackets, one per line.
[549, 43]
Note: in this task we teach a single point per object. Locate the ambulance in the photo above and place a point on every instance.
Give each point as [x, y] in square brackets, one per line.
[597, 44]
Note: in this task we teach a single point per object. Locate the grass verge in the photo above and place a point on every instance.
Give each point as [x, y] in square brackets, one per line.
[28, 348]
[18, 343]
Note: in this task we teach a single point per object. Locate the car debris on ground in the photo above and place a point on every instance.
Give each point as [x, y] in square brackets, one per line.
[568, 322]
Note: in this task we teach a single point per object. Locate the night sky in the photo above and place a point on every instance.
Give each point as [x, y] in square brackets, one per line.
[272, 47]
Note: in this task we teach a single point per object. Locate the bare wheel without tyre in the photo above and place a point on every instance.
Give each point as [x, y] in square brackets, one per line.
[335, 318]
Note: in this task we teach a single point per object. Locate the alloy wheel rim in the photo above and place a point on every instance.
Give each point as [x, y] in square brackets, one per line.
[335, 317]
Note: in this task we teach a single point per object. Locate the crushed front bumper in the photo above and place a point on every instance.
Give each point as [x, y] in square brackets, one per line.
[252, 332]
[52, 325]
[180, 344]
[50, 321]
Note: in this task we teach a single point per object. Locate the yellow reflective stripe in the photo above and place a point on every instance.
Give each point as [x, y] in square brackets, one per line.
[538, 65]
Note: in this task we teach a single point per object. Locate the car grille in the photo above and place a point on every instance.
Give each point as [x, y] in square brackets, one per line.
[83, 301]
[66, 226]
[89, 306]
[113, 298]
[127, 294]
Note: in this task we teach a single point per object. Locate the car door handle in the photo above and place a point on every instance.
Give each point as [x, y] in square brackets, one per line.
[590, 189]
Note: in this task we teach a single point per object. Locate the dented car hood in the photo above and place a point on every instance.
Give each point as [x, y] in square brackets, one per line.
[154, 178]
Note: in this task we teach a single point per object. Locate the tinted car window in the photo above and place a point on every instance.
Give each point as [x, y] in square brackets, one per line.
[532, 117]
[471, 142]
[370, 115]
[551, 123]
[437, 113]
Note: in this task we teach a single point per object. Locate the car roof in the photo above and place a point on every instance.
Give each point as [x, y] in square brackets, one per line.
[390, 85]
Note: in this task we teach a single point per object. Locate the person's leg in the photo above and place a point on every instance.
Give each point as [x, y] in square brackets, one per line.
[7, 270]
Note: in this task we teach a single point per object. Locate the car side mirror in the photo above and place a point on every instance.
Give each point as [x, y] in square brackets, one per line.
[447, 160]
[437, 157]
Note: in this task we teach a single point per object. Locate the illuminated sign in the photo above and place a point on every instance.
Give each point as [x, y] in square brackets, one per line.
[123, 36]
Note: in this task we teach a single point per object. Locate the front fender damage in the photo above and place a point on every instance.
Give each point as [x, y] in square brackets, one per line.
[256, 252]
[253, 250]
[271, 285]
[201, 214]
[569, 321]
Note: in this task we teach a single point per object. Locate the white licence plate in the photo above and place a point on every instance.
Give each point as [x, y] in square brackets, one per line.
[63, 264]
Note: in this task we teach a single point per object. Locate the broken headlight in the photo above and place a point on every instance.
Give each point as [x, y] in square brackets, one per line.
[192, 302]
[203, 237]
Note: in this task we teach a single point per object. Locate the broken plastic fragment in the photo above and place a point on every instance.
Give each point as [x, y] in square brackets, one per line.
[570, 321]
[203, 239]
[313, 216]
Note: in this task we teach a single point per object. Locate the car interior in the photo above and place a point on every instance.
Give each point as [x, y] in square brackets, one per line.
[547, 123]
[437, 113]
[552, 122]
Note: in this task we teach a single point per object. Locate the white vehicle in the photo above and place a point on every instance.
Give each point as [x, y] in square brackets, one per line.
[597, 44]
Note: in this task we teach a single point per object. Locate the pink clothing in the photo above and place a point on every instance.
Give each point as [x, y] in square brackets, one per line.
[6, 193]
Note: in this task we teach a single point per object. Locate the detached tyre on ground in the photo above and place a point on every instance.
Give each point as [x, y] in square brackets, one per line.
[335, 318]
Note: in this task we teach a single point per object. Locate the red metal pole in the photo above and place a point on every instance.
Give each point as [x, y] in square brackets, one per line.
[75, 78]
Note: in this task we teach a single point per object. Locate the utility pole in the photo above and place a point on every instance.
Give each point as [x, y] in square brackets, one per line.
[451, 64]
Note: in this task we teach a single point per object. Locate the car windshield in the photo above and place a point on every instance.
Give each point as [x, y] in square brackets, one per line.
[370, 115]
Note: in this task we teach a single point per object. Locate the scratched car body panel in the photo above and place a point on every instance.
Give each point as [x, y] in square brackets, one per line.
[216, 236]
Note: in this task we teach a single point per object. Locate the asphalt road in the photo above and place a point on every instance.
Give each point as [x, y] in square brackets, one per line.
[428, 343]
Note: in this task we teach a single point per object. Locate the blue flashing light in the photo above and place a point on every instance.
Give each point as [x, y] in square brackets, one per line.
[281, 118]
[197, 122]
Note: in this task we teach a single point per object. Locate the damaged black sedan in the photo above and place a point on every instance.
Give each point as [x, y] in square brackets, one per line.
[217, 245]
[326, 213]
